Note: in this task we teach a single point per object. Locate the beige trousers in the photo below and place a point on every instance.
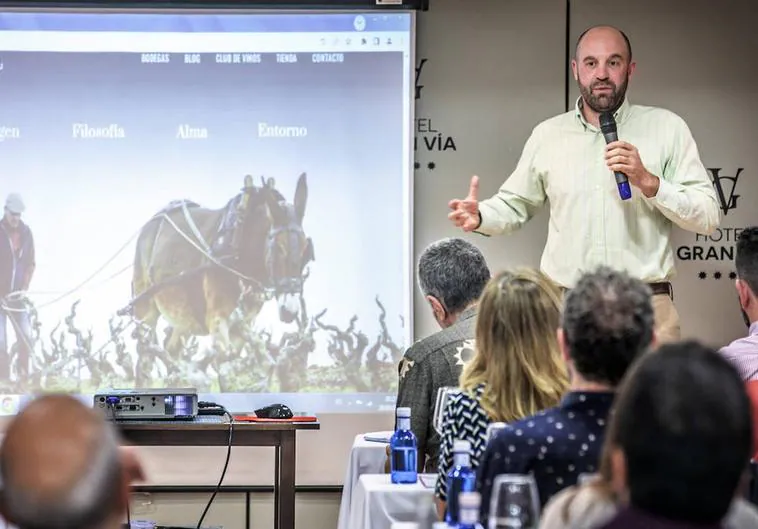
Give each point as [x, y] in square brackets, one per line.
[667, 326]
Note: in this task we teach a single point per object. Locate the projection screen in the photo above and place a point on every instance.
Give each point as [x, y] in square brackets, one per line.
[217, 200]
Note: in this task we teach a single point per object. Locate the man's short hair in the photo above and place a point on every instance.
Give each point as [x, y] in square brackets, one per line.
[87, 504]
[454, 271]
[683, 422]
[623, 35]
[608, 320]
[746, 258]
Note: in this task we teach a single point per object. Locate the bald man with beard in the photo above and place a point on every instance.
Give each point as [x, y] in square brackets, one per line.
[62, 468]
[566, 164]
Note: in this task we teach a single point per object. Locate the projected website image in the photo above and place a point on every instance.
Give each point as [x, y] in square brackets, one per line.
[233, 221]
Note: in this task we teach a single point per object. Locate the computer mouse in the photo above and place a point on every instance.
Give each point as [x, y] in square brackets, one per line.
[274, 411]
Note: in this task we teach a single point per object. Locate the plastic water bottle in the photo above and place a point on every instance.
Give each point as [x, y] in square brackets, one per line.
[460, 478]
[469, 503]
[403, 450]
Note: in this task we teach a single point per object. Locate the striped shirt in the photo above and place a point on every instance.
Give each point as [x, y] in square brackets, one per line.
[563, 162]
[742, 353]
[463, 419]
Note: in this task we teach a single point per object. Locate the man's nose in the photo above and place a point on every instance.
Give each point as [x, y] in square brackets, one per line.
[601, 73]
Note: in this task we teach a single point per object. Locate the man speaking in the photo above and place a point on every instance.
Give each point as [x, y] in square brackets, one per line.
[612, 201]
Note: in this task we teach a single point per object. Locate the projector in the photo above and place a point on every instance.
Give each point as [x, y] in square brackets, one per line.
[148, 404]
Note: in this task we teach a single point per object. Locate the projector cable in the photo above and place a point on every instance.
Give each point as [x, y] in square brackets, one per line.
[112, 408]
[209, 408]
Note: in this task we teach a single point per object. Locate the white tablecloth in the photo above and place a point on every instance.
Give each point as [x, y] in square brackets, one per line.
[377, 503]
[366, 457]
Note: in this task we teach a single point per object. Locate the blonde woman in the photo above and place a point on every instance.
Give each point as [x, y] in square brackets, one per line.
[607, 323]
[516, 371]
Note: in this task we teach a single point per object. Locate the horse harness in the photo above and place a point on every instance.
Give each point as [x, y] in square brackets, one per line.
[292, 282]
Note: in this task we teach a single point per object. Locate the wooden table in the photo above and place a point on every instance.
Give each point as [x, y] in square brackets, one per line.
[279, 435]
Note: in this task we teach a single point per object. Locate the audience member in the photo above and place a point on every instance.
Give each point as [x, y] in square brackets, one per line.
[608, 321]
[452, 274]
[676, 450]
[743, 352]
[594, 503]
[62, 468]
[516, 370]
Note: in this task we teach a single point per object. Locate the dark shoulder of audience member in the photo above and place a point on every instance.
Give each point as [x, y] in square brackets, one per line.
[61, 468]
[608, 320]
[454, 272]
[746, 258]
[683, 425]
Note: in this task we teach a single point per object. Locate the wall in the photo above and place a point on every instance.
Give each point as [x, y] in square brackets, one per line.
[493, 69]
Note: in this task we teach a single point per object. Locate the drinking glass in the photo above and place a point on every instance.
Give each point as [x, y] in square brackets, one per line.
[515, 503]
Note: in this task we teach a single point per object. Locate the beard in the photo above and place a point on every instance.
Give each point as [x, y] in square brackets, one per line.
[604, 101]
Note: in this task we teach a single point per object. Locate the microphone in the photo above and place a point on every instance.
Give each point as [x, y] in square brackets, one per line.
[608, 126]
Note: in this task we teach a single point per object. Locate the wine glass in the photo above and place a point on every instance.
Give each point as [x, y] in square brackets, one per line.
[443, 396]
[515, 503]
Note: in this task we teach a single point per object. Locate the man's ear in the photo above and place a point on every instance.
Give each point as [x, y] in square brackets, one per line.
[574, 67]
[131, 472]
[653, 341]
[439, 310]
[744, 293]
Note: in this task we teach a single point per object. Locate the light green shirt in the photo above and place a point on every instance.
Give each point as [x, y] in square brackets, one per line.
[563, 161]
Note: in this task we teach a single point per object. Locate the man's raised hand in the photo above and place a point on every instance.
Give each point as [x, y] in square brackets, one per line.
[465, 213]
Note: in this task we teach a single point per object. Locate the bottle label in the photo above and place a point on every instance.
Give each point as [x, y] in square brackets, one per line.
[462, 460]
[404, 459]
[469, 516]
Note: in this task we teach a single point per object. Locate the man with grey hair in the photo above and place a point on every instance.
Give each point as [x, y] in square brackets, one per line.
[62, 468]
[452, 274]
[608, 322]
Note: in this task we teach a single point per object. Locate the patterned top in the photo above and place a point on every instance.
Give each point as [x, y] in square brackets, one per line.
[430, 364]
[464, 419]
[555, 446]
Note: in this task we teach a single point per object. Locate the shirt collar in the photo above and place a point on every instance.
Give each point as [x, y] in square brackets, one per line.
[753, 328]
[620, 114]
[467, 313]
[588, 399]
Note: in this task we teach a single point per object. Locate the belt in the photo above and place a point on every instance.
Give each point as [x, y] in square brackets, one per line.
[663, 287]
[660, 288]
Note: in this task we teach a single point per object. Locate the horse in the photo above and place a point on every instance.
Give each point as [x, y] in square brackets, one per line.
[197, 267]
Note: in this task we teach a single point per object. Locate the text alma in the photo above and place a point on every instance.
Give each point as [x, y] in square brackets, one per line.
[187, 132]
